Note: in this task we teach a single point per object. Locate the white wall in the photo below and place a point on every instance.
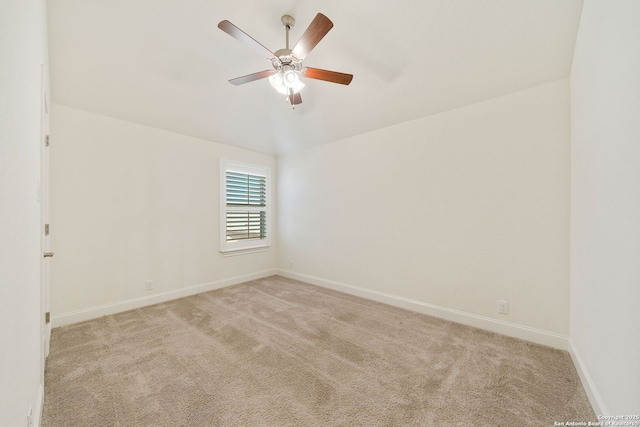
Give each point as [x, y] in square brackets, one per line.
[457, 210]
[605, 203]
[23, 49]
[133, 203]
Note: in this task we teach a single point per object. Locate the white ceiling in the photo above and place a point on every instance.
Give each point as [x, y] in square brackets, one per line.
[164, 63]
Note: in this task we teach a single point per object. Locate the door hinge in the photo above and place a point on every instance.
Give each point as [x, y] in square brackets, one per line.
[46, 141]
[46, 229]
[47, 317]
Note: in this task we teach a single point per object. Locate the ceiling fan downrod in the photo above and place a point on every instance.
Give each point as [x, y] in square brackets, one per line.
[287, 22]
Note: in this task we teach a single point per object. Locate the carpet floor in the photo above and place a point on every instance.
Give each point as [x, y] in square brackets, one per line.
[279, 352]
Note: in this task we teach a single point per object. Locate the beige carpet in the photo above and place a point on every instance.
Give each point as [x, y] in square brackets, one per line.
[278, 352]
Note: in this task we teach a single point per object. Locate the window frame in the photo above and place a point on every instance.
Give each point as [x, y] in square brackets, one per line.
[247, 245]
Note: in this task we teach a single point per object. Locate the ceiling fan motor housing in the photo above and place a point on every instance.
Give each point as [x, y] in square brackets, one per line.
[284, 57]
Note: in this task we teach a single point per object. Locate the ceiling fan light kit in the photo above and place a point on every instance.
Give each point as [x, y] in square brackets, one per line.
[286, 75]
[286, 79]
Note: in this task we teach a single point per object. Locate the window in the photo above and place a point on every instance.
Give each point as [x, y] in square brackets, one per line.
[244, 201]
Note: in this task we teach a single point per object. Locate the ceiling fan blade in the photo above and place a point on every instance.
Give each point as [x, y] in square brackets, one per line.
[251, 77]
[318, 28]
[327, 76]
[245, 38]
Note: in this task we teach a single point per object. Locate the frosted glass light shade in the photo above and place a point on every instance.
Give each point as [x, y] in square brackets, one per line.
[283, 81]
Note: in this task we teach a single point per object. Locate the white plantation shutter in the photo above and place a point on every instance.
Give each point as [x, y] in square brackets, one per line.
[246, 200]
[244, 215]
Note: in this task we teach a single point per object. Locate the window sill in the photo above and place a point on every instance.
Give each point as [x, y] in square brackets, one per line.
[245, 251]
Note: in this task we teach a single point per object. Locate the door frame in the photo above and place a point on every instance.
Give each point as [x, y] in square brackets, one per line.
[45, 209]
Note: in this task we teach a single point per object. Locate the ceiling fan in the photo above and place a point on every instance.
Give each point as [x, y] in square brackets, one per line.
[287, 70]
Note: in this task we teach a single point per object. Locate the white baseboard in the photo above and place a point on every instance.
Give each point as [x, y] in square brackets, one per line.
[37, 414]
[587, 382]
[506, 328]
[510, 329]
[130, 304]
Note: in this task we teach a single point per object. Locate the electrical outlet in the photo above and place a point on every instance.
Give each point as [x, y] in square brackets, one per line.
[291, 265]
[148, 285]
[503, 307]
[30, 417]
